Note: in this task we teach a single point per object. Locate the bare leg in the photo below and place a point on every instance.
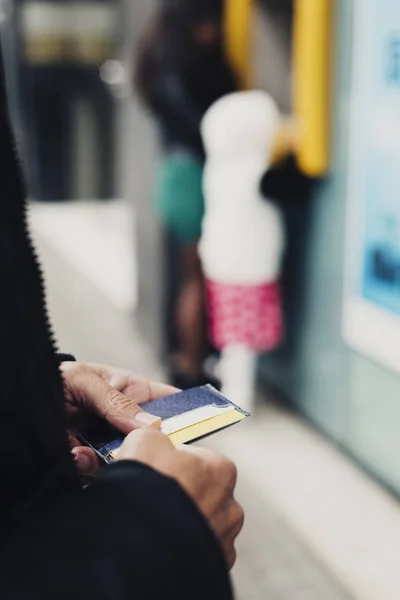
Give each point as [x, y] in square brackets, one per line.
[190, 314]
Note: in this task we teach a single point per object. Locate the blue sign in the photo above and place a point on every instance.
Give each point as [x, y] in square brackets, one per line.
[377, 147]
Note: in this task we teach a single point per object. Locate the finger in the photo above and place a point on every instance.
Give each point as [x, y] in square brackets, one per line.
[123, 412]
[228, 522]
[234, 519]
[97, 395]
[160, 390]
[148, 446]
[224, 468]
[205, 453]
[86, 460]
[230, 557]
[140, 389]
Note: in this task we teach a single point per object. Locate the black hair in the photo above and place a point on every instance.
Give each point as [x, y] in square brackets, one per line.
[170, 36]
[200, 9]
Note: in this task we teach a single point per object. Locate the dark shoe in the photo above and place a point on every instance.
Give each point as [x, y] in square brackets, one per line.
[183, 381]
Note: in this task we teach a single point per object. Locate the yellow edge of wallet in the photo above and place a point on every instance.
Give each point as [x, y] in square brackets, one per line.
[199, 430]
[204, 428]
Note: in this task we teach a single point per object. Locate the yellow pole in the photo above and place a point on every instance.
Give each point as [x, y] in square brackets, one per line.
[312, 74]
[239, 37]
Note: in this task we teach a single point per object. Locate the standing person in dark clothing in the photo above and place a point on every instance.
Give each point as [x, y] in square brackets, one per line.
[182, 70]
[151, 526]
[62, 46]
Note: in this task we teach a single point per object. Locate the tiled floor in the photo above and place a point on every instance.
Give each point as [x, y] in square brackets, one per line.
[272, 563]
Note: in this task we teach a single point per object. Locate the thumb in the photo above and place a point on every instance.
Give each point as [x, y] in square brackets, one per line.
[101, 398]
[124, 413]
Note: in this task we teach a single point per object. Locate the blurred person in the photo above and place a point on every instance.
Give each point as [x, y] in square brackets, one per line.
[159, 523]
[293, 193]
[62, 46]
[181, 71]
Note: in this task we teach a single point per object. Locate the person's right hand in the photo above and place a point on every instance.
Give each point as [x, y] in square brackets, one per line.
[209, 479]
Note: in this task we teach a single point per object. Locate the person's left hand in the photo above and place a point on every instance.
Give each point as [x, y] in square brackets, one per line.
[113, 394]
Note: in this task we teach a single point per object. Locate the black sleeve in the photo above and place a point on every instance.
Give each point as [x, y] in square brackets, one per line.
[286, 184]
[63, 357]
[132, 535]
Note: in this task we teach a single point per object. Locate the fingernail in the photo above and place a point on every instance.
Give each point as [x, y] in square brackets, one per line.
[82, 461]
[144, 420]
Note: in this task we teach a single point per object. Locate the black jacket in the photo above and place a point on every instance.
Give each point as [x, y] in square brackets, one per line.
[180, 90]
[133, 534]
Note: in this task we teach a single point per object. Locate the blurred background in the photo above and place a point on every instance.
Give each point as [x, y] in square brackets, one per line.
[107, 97]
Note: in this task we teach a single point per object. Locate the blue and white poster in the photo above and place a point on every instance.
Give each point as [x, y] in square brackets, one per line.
[372, 310]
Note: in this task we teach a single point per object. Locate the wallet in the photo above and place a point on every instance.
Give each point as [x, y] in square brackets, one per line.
[186, 417]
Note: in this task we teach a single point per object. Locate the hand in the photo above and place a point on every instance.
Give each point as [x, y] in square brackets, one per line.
[209, 479]
[114, 395]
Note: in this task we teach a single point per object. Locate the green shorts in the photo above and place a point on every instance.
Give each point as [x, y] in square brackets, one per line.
[179, 196]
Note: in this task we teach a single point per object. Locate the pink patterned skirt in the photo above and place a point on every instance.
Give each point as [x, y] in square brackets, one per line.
[246, 314]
